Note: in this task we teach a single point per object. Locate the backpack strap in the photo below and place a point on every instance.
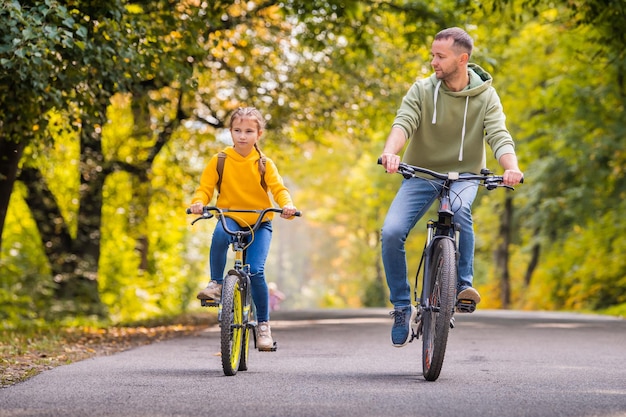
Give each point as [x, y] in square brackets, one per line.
[221, 157]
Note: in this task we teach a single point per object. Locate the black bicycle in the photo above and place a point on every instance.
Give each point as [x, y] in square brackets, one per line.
[437, 301]
[236, 310]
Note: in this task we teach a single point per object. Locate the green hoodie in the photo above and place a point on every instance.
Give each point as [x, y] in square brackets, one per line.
[447, 130]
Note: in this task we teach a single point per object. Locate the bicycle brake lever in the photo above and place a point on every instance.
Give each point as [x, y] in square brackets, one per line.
[406, 173]
[205, 215]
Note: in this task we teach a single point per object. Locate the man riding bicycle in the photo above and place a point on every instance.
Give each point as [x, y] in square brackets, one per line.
[446, 118]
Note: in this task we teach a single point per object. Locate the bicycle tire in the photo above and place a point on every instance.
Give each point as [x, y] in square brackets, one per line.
[232, 327]
[245, 342]
[436, 323]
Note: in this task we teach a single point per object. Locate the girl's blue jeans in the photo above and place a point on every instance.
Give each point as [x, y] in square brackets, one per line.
[256, 255]
[412, 201]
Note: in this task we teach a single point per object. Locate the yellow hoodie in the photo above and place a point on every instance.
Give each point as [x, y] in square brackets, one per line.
[241, 186]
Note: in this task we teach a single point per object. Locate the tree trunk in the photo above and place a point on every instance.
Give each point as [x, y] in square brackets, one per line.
[76, 289]
[73, 261]
[501, 253]
[142, 189]
[10, 155]
[534, 261]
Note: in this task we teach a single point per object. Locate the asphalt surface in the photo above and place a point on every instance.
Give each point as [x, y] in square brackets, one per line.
[341, 363]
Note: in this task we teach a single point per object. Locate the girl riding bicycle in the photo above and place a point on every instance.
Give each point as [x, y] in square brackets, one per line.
[242, 175]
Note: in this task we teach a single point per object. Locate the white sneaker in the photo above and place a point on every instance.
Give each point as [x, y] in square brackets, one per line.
[213, 291]
[264, 339]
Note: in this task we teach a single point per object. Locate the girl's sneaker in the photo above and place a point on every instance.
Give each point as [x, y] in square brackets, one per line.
[213, 291]
[264, 339]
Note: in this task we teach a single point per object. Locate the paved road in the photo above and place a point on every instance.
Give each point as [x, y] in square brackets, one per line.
[499, 363]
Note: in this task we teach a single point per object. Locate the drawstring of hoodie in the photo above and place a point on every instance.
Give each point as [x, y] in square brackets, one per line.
[463, 130]
[436, 95]
[464, 118]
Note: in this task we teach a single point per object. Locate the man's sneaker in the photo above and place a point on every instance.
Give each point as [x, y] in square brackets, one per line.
[264, 339]
[467, 300]
[469, 293]
[213, 291]
[402, 319]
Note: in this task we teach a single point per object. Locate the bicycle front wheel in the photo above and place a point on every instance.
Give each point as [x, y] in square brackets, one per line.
[441, 302]
[232, 326]
[248, 331]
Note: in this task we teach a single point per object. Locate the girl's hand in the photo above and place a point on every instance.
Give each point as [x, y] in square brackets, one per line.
[288, 211]
[196, 208]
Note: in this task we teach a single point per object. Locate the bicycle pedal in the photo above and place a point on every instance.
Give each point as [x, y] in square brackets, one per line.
[209, 303]
[415, 332]
[465, 306]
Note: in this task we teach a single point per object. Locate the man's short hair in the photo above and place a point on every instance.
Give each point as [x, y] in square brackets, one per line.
[462, 40]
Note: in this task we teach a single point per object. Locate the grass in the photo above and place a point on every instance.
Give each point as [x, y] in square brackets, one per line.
[28, 351]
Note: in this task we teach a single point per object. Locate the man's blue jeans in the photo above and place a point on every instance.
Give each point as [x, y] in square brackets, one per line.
[412, 201]
[256, 255]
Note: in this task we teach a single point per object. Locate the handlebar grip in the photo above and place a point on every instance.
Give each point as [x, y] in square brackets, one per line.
[188, 211]
[298, 213]
[380, 160]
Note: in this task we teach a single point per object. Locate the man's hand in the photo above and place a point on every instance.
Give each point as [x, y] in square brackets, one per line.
[512, 177]
[512, 174]
[390, 161]
[394, 144]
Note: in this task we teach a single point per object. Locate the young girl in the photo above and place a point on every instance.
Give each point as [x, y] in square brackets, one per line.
[242, 187]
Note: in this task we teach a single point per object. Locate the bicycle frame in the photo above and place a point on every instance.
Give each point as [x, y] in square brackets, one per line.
[443, 228]
[243, 272]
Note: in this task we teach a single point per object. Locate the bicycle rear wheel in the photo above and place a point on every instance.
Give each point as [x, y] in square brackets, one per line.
[232, 327]
[442, 296]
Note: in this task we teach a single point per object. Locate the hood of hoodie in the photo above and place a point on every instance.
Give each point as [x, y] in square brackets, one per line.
[479, 81]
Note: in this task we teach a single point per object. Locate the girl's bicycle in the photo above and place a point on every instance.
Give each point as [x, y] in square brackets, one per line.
[236, 310]
[437, 301]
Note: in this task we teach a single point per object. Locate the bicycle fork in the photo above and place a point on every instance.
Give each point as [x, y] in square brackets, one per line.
[422, 304]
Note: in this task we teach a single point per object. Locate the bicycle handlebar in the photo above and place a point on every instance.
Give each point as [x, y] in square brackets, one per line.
[206, 214]
[490, 181]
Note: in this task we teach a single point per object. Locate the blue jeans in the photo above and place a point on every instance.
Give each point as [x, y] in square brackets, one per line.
[256, 254]
[412, 201]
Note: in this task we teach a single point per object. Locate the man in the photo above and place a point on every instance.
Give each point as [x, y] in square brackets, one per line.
[446, 119]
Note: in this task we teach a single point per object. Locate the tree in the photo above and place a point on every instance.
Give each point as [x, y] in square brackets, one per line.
[197, 53]
[39, 45]
[568, 122]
